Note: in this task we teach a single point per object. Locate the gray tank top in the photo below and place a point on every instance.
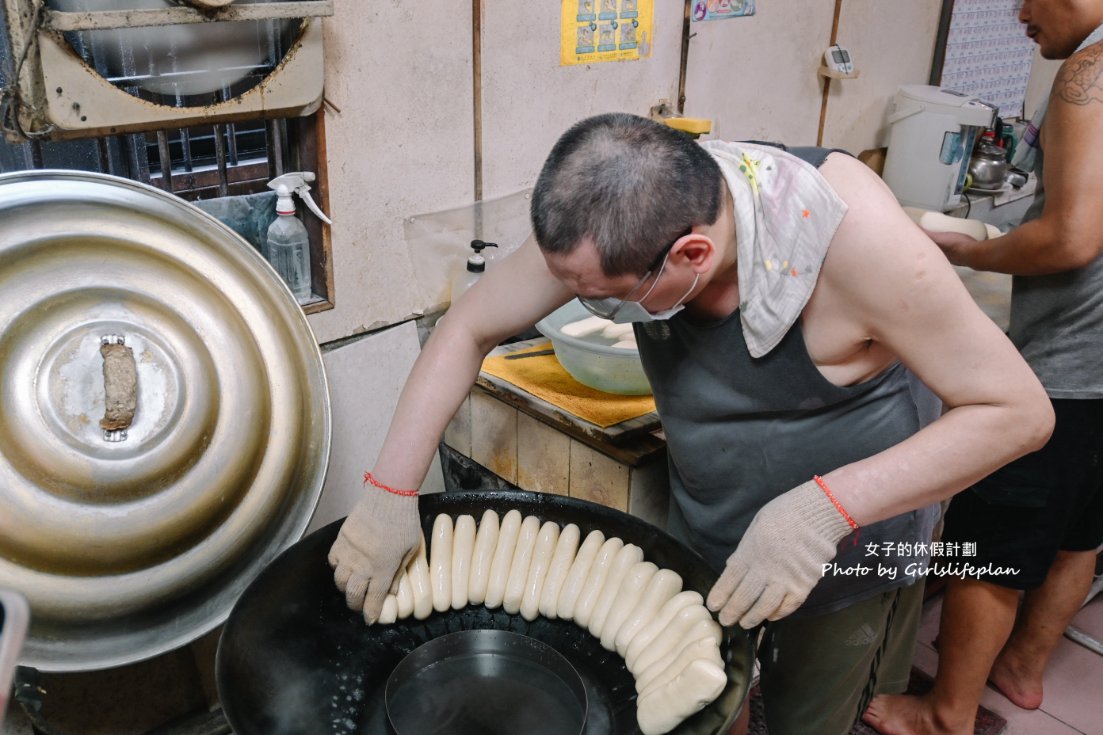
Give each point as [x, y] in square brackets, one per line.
[1057, 322]
[740, 431]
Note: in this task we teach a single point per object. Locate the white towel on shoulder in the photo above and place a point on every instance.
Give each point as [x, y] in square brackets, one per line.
[785, 216]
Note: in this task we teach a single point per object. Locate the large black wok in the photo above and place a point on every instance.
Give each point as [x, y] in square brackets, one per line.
[294, 659]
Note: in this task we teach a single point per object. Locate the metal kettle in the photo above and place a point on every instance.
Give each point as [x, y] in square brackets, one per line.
[988, 166]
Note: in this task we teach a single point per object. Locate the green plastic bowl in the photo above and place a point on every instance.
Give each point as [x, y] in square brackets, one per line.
[592, 360]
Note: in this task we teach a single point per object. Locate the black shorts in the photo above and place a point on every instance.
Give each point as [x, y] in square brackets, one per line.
[1008, 528]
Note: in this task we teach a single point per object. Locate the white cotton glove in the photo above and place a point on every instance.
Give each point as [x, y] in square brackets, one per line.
[373, 546]
[780, 558]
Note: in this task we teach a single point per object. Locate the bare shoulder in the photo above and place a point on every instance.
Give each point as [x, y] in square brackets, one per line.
[874, 218]
[854, 181]
[879, 259]
[1078, 81]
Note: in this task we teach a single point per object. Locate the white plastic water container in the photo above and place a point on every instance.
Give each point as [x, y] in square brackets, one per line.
[931, 136]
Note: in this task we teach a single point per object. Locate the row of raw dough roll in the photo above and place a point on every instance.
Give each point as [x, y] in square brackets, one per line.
[667, 637]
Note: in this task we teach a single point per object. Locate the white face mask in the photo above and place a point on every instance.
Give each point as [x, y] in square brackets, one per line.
[634, 311]
[625, 311]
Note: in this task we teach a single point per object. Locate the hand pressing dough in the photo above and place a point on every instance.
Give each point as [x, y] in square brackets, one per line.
[627, 598]
[565, 550]
[705, 648]
[583, 327]
[673, 634]
[664, 708]
[660, 588]
[546, 543]
[652, 628]
[595, 581]
[463, 547]
[486, 539]
[440, 562]
[420, 583]
[629, 555]
[579, 572]
[519, 567]
[939, 222]
[503, 558]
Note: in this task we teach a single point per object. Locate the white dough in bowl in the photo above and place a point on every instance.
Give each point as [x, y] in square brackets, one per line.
[584, 327]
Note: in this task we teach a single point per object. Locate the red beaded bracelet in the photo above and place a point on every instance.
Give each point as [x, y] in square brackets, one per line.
[836, 503]
[369, 480]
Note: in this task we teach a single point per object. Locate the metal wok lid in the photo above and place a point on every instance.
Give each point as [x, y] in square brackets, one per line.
[294, 659]
[132, 542]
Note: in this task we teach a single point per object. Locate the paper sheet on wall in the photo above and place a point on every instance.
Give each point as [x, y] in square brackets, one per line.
[988, 54]
[720, 9]
[605, 30]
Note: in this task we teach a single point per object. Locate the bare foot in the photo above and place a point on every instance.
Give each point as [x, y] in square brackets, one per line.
[898, 714]
[1018, 683]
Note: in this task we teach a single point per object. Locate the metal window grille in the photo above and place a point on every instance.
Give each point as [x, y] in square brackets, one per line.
[195, 163]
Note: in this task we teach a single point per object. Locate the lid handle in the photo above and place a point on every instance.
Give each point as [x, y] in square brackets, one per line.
[120, 387]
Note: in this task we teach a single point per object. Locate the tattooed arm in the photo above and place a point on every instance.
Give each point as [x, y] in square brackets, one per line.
[1069, 233]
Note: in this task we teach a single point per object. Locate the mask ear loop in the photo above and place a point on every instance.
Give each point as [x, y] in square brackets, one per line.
[654, 283]
[696, 277]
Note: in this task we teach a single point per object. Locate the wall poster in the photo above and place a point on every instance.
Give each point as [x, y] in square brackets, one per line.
[988, 54]
[720, 9]
[605, 30]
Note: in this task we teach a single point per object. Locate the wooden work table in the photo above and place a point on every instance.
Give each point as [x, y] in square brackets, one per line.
[534, 445]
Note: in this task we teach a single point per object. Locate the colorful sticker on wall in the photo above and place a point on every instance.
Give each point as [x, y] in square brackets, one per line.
[720, 9]
[605, 30]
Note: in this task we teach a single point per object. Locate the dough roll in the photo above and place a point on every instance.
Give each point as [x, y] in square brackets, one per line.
[503, 559]
[463, 547]
[519, 567]
[486, 539]
[546, 543]
[565, 550]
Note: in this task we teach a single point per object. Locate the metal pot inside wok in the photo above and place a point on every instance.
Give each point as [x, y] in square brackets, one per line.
[294, 659]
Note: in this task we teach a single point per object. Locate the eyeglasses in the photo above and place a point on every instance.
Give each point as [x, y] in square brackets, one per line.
[608, 307]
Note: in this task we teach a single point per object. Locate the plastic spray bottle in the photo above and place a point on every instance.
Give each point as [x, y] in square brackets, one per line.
[288, 245]
[475, 267]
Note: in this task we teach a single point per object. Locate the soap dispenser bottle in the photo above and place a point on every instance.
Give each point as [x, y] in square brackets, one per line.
[287, 246]
[473, 269]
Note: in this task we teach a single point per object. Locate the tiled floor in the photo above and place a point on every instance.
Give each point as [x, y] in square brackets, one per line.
[1073, 683]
